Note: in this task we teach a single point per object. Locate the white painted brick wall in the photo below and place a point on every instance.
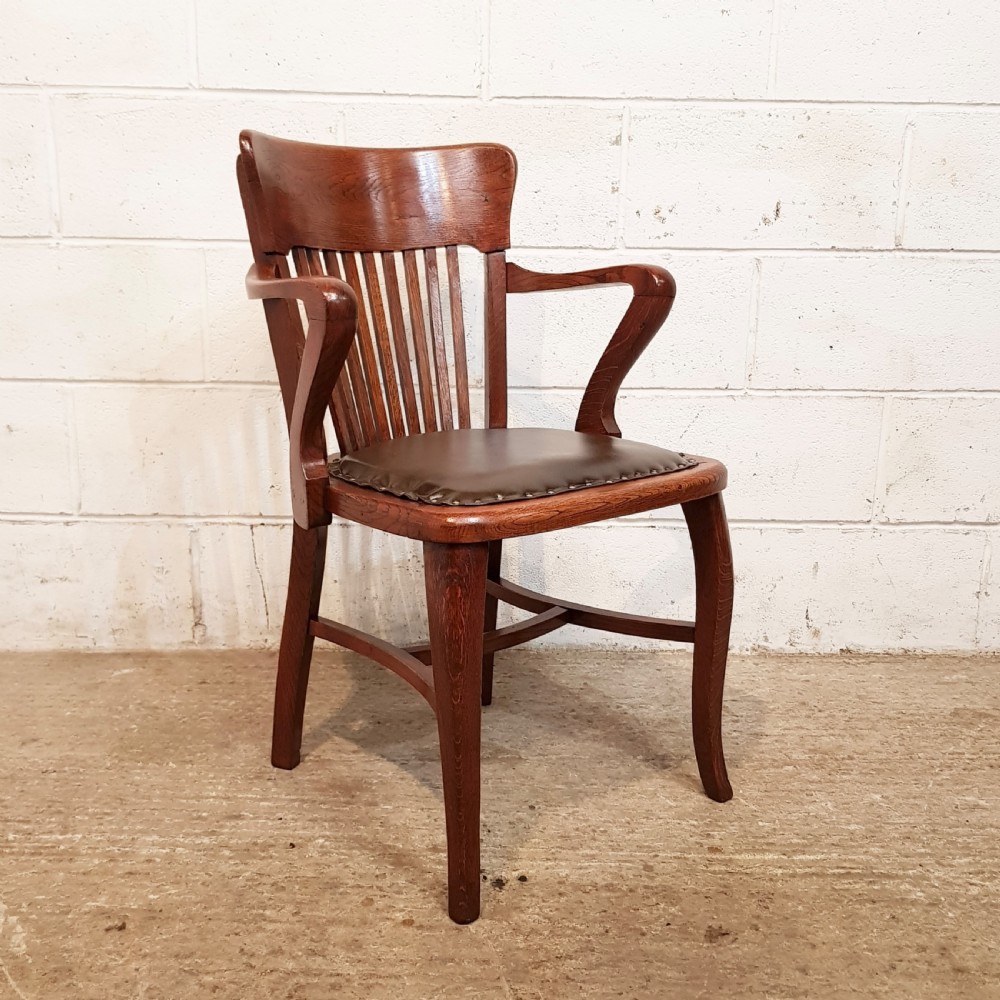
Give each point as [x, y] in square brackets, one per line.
[988, 625]
[36, 421]
[942, 461]
[822, 179]
[25, 208]
[157, 449]
[95, 584]
[888, 322]
[379, 47]
[841, 50]
[102, 311]
[637, 49]
[762, 176]
[953, 198]
[114, 43]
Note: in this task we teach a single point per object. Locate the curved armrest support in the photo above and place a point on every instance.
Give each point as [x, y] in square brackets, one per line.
[332, 309]
[653, 291]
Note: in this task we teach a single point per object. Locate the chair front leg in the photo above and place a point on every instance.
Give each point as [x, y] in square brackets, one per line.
[456, 601]
[713, 570]
[305, 581]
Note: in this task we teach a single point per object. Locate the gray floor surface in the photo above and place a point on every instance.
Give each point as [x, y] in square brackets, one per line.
[148, 850]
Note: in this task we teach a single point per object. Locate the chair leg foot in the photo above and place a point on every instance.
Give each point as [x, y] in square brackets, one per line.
[713, 567]
[456, 591]
[490, 621]
[305, 581]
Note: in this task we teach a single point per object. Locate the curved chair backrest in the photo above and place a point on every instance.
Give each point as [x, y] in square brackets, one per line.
[389, 222]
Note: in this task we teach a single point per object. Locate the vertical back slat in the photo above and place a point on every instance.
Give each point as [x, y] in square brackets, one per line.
[369, 364]
[308, 261]
[343, 397]
[315, 261]
[359, 392]
[447, 420]
[419, 339]
[403, 366]
[496, 339]
[332, 264]
[344, 420]
[301, 261]
[458, 338]
[383, 343]
[351, 380]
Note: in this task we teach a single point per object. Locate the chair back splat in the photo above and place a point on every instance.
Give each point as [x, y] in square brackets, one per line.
[388, 222]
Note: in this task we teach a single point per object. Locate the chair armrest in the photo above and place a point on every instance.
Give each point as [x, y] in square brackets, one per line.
[645, 279]
[653, 291]
[332, 309]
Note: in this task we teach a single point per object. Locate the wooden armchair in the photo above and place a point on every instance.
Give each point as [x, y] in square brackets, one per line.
[372, 236]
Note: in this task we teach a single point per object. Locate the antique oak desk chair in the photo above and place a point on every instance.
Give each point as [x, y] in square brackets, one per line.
[371, 236]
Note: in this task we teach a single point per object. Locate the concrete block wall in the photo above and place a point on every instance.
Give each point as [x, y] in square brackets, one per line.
[822, 178]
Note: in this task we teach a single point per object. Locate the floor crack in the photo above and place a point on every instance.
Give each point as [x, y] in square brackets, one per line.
[507, 991]
[260, 577]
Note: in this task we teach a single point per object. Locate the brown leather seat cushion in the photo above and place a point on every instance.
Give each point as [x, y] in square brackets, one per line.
[472, 467]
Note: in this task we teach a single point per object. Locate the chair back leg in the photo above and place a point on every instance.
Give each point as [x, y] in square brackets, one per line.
[305, 581]
[490, 622]
[456, 602]
[713, 570]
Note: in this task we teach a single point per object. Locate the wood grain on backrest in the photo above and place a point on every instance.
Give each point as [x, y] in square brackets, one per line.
[388, 222]
[381, 199]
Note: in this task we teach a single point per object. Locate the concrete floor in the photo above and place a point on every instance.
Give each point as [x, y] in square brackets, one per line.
[148, 850]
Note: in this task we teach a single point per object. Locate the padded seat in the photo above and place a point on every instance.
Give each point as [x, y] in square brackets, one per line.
[472, 467]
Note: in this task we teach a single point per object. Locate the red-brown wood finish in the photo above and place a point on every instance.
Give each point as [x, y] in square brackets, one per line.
[412, 668]
[492, 574]
[495, 309]
[375, 396]
[669, 629]
[458, 337]
[305, 582]
[713, 571]
[364, 242]
[439, 523]
[653, 292]
[456, 598]
[376, 199]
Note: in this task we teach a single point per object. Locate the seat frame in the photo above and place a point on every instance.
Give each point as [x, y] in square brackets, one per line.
[462, 546]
